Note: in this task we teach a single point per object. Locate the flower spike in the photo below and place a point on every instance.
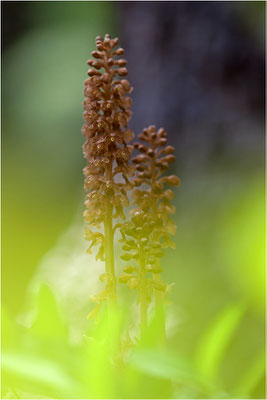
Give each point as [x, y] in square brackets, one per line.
[107, 150]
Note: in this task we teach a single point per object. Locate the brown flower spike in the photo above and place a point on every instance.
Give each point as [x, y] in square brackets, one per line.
[107, 150]
[109, 175]
[150, 227]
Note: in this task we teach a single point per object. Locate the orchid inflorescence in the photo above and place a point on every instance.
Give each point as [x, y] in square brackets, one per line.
[150, 226]
[107, 151]
[111, 174]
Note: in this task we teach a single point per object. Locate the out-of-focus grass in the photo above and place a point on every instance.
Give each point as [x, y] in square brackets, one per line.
[214, 343]
[48, 365]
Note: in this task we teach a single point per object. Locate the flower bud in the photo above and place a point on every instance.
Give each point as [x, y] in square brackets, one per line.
[169, 158]
[142, 148]
[92, 72]
[122, 72]
[162, 141]
[168, 194]
[142, 136]
[121, 63]
[127, 102]
[150, 153]
[151, 128]
[105, 77]
[162, 133]
[95, 64]
[173, 180]
[115, 41]
[169, 149]
[126, 257]
[97, 54]
[125, 84]
[129, 269]
[87, 82]
[139, 159]
[124, 278]
[119, 51]
[110, 62]
[100, 46]
[162, 164]
[153, 268]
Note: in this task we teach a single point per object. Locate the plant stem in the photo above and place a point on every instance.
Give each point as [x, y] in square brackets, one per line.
[109, 245]
[159, 306]
[143, 300]
[109, 250]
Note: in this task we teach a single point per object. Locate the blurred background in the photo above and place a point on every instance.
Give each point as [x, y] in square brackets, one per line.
[198, 70]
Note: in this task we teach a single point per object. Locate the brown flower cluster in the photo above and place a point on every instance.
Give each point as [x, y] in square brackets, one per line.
[151, 226]
[154, 198]
[110, 174]
[107, 149]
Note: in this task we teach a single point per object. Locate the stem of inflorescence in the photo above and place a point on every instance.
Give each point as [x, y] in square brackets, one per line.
[159, 306]
[143, 300]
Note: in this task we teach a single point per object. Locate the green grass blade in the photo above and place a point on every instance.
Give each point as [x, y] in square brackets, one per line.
[48, 321]
[214, 343]
[36, 372]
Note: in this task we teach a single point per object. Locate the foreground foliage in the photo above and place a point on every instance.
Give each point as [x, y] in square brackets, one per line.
[41, 362]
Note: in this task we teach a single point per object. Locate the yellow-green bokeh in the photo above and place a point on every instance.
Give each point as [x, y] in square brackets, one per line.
[216, 316]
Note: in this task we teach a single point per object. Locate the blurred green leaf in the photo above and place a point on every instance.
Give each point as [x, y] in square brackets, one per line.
[103, 351]
[214, 343]
[242, 234]
[161, 364]
[38, 372]
[48, 321]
